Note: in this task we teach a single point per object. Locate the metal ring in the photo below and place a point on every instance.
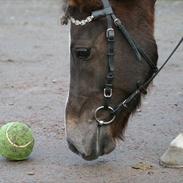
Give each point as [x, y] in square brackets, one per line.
[101, 122]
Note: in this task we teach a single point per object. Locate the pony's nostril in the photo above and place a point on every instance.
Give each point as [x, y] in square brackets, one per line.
[72, 147]
[87, 156]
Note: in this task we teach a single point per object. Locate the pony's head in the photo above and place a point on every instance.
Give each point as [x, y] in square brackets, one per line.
[89, 66]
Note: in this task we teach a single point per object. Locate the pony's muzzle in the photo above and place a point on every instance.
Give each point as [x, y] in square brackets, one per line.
[92, 145]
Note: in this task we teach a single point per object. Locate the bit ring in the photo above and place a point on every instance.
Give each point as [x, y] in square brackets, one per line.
[102, 122]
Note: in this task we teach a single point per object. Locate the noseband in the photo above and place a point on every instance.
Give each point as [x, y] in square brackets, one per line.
[107, 12]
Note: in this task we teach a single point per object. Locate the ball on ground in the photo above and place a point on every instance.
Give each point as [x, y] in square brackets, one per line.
[16, 141]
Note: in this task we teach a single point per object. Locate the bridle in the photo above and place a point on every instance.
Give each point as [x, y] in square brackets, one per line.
[107, 12]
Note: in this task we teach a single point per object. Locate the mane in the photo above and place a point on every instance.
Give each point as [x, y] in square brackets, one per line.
[91, 5]
[85, 4]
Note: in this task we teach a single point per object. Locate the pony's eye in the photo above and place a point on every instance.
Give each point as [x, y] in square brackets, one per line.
[83, 53]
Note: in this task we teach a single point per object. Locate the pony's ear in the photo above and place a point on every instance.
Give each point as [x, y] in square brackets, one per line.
[73, 2]
[64, 5]
[152, 2]
[65, 17]
[85, 5]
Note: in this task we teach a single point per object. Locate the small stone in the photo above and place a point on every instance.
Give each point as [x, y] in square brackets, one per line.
[30, 173]
[10, 60]
[150, 173]
[54, 81]
[11, 104]
[29, 107]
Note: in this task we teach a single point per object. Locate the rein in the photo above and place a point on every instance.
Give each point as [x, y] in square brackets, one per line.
[107, 12]
[141, 89]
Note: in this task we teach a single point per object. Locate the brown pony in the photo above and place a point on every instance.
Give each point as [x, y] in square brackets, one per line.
[88, 71]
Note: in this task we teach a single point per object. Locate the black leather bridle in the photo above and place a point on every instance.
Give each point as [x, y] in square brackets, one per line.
[107, 12]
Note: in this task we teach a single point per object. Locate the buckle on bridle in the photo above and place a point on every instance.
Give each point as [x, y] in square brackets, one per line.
[117, 22]
[110, 33]
[125, 104]
[107, 92]
[102, 122]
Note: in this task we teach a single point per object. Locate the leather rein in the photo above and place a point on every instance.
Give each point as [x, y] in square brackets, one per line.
[107, 12]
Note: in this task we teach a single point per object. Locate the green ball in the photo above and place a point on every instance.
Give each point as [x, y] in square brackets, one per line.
[16, 141]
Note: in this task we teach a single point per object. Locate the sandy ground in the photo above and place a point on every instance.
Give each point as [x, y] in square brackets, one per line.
[34, 75]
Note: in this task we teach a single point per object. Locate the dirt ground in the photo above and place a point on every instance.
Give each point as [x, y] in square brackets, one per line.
[34, 79]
